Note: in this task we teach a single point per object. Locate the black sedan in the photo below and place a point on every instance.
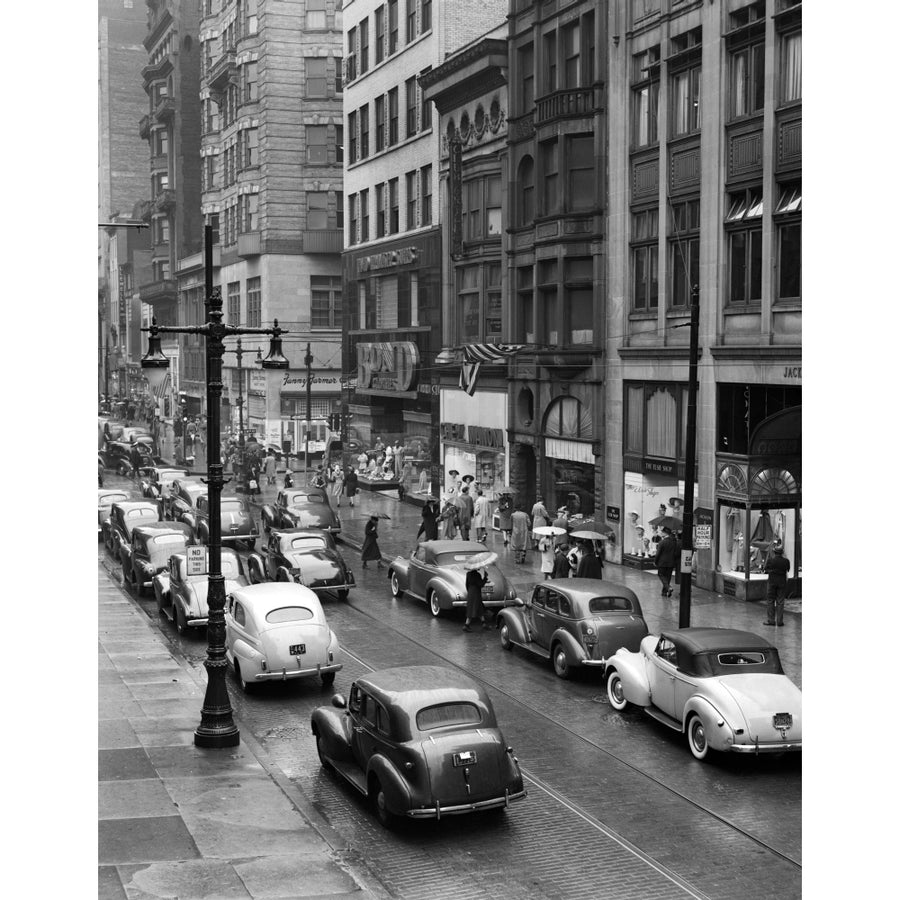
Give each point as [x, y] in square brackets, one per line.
[301, 508]
[151, 548]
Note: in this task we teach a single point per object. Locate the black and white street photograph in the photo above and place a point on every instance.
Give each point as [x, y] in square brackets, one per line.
[448, 366]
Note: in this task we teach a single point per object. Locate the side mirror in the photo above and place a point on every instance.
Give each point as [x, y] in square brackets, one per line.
[339, 701]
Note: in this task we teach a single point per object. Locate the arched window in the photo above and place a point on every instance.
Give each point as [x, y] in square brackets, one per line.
[568, 418]
[526, 191]
[662, 423]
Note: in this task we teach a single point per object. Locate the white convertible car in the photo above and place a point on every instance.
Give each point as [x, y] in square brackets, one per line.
[725, 689]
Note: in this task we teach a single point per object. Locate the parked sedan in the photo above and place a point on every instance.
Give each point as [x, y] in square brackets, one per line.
[420, 742]
[183, 498]
[236, 524]
[725, 689]
[105, 499]
[435, 573]
[307, 556]
[301, 508]
[151, 548]
[182, 598]
[276, 632]
[124, 517]
[156, 482]
[574, 622]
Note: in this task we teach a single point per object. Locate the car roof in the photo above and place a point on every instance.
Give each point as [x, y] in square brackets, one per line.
[698, 640]
[101, 492]
[587, 588]
[274, 594]
[126, 505]
[453, 546]
[418, 686]
[163, 528]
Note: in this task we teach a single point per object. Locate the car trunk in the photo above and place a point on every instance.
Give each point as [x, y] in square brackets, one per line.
[762, 697]
[311, 518]
[279, 640]
[450, 770]
[614, 630]
[316, 569]
[235, 521]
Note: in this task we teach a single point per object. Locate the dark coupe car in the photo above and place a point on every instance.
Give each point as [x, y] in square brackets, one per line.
[420, 742]
[307, 556]
[156, 482]
[237, 523]
[151, 548]
[182, 598]
[183, 498]
[301, 508]
[435, 573]
[574, 622]
[123, 519]
[117, 456]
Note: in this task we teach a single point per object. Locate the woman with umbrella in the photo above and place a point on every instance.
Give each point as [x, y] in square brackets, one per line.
[428, 530]
[371, 552]
[476, 577]
[547, 547]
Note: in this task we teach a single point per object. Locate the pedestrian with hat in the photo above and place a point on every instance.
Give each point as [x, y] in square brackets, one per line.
[466, 507]
[371, 552]
[504, 513]
[481, 516]
[351, 484]
[590, 566]
[777, 567]
[562, 568]
[519, 533]
[428, 530]
[666, 560]
[545, 547]
[539, 518]
[475, 581]
[562, 521]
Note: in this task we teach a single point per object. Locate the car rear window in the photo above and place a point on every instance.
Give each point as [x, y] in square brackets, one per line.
[300, 499]
[233, 506]
[163, 540]
[453, 559]
[142, 512]
[447, 714]
[107, 499]
[608, 604]
[308, 543]
[289, 614]
[735, 662]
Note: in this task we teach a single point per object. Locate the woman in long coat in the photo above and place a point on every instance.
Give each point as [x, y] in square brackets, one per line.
[475, 580]
[481, 517]
[428, 530]
[351, 484]
[504, 511]
[519, 535]
[371, 552]
[450, 518]
[539, 518]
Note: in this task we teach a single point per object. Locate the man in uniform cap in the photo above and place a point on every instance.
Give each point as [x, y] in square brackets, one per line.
[777, 567]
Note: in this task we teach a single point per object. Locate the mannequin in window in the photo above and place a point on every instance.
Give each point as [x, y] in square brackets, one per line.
[737, 552]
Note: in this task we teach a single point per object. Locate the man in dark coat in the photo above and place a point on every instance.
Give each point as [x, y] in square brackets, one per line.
[428, 530]
[666, 560]
[475, 581]
[777, 567]
[351, 484]
[590, 566]
[371, 552]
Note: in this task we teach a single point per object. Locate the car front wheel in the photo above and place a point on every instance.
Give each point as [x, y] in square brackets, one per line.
[434, 603]
[325, 764]
[561, 662]
[696, 733]
[246, 686]
[385, 816]
[395, 585]
[505, 642]
[616, 692]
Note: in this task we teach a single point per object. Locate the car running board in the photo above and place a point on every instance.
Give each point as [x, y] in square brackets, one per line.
[660, 716]
[532, 648]
[352, 773]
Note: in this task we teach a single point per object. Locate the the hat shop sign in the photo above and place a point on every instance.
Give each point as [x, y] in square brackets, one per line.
[386, 367]
[478, 435]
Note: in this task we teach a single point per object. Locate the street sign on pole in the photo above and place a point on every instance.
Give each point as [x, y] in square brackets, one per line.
[702, 537]
[196, 560]
[686, 559]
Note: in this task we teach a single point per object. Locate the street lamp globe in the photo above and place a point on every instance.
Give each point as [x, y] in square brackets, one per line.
[154, 364]
[276, 359]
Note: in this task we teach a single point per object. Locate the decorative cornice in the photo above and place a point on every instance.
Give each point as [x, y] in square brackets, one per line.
[656, 352]
[756, 353]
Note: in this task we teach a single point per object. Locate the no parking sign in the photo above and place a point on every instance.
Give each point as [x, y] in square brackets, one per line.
[196, 560]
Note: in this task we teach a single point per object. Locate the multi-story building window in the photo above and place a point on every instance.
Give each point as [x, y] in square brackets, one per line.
[411, 200]
[209, 174]
[364, 131]
[645, 98]
[788, 225]
[791, 80]
[161, 230]
[354, 145]
[549, 159]
[547, 286]
[379, 35]
[159, 182]
[352, 50]
[213, 221]
[479, 306]
[250, 17]
[234, 303]
[393, 116]
[354, 219]
[379, 123]
[410, 20]
[412, 102]
[363, 46]
[426, 195]
[315, 15]
[525, 304]
[249, 78]
[316, 77]
[578, 293]
[645, 260]
[379, 210]
[526, 79]
[210, 116]
[394, 206]
[248, 142]
[250, 220]
[685, 92]
[425, 114]
[684, 251]
[748, 69]
[316, 210]
[525, 205]
[325, 301]
[549, 79]
[254, 302]
[743, 225]
[160, 142]
[364, 215]
[317, 144]
[481, 208]
[338, 143]
[571, 52]
[338, 75]
[426, 16]
[581, 186]
[393, 26]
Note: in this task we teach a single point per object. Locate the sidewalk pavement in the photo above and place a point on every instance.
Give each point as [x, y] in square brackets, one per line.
[179, 821]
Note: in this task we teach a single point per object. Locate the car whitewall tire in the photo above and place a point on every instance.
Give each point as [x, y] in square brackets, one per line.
[434, 603]
[395, 585]
[615, 692]
[561, 662]
[505, 642]
[696, 735]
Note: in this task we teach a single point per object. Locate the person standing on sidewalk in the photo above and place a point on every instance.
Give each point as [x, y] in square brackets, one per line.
[405, 482]
[666, 560]
[450, 518]
[428, 530]
[545, 546]
[269, 467]
[777, 567]
[591, 566]
[562, 568]
[475, 581]
[337, 482]
[351, 485]
[481, 516]
[561, 521]
[539, 518]
[466, 506]
[371, 552]
[519, 533]
[504, 511]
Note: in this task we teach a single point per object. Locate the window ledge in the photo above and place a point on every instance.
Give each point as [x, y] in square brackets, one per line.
[638, 315]
[792, 305]
[742, 309]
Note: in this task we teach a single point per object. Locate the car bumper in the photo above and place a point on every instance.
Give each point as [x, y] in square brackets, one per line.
[436, 812]
[196, 623]
[769, 747]
[232, 536]
[488, 604]
[285, 675]
[328, 588]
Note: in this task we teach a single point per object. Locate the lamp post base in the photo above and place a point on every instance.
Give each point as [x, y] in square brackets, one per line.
[217, 738]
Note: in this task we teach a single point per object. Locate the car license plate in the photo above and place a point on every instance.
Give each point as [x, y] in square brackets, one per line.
[488, 587]
[782, 720]
[464, 758]
[235, 528]
[297, 649]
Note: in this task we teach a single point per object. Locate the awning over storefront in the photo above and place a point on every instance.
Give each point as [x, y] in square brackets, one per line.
[575, 451]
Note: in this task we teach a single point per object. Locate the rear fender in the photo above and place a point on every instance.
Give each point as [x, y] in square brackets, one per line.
[574, 651]
[256, 569]
[190, 520]
[446, 595]
[515, 622]
[161, 590]
[630, 668]
[248, 656]
[396, 790]
[268, 514]
[718, 736]
[333, 729]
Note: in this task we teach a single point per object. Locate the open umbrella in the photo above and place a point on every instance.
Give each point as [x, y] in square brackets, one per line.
[667, 522]
[549, 530]
[587, 535]
[479, 561]
[505, 489]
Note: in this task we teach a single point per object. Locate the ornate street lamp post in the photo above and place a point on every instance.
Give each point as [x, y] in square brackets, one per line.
[217, 728]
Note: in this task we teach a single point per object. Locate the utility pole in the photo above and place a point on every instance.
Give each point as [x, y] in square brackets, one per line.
[308, 360]
[690, 466]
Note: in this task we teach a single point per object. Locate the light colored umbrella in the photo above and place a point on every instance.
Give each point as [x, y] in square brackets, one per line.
[479, 561]
[587, 535]
[549, 530]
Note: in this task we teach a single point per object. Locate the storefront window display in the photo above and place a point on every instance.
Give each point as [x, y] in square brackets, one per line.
[748, 537]
[648, 497]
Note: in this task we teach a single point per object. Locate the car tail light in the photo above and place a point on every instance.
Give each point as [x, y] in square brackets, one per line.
[264, 666]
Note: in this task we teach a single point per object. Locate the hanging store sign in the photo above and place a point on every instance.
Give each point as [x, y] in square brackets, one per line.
[613, 514]
[405, 256]
[258, 381]
[328, 381]
[386, 366]
[658, 466]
